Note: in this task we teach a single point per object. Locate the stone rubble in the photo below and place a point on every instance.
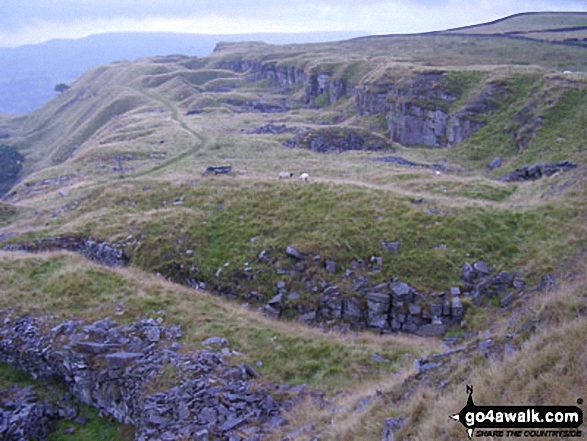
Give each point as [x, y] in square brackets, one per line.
[137, 374]
[394, 306]
[23, 416]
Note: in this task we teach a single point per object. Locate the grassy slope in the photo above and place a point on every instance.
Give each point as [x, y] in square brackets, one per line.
[63, 285]
[349, 207]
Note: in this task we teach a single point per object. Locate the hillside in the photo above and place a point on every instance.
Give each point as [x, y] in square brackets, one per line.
[28, 74]
[439, 240]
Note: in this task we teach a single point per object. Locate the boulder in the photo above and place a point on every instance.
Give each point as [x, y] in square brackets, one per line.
[293, 252]
[495, 163]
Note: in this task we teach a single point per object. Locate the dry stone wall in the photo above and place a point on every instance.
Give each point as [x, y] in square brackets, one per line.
[138, 374]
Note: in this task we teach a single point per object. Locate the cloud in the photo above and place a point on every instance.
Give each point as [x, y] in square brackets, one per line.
[27, 21]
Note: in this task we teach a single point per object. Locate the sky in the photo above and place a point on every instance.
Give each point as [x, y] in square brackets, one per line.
[35, 21]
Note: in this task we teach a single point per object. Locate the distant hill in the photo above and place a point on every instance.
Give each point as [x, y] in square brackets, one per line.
[555, 27]
[528, 22]
[29, 73]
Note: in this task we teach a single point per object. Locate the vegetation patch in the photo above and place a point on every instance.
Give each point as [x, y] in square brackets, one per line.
[219, 231]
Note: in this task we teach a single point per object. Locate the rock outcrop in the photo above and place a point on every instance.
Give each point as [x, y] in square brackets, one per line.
[537, 171]
[353, 300]
[138, 374]
[419, 110]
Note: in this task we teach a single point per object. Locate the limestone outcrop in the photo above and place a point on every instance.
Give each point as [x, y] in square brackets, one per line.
[420, 110]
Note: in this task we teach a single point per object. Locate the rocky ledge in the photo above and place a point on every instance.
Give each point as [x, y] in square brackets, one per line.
[354, 301]
[98, 251]
[138, 374]
[537, 171]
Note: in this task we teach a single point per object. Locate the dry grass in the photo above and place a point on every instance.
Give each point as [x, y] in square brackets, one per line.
[547, 369]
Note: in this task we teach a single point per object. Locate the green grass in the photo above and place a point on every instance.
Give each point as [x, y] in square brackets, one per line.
[463, 84]
[538, 120]
[60, 286]
[475, 190]
[219, 219]
[95, 429]
[10, 376]
[530, 22]
[560, 136]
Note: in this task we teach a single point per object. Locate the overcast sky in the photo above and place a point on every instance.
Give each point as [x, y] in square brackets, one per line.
[34, 21]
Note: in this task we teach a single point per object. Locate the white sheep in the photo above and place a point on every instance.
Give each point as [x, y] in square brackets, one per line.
[304, 177]
[285, 175]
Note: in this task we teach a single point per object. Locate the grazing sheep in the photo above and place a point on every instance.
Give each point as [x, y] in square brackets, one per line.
[304, 177]
[285, 175]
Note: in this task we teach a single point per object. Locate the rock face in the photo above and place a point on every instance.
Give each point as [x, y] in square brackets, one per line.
[137, 374]
[419, 110]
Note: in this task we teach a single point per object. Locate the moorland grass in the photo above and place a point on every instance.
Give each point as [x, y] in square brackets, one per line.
[227, 222]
